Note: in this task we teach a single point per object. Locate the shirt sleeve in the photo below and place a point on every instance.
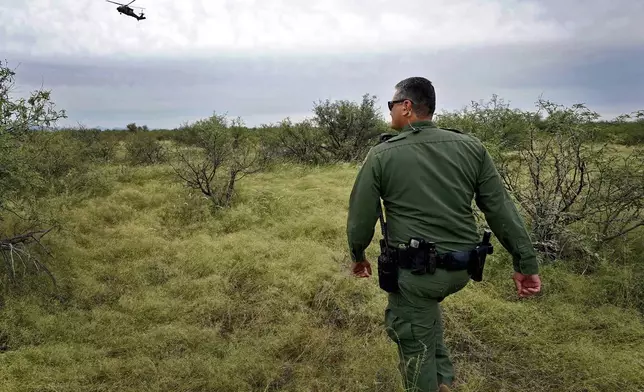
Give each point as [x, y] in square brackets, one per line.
[503, 217]
[363, 207]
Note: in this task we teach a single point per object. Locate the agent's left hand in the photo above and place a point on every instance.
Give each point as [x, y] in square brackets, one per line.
[361, 269]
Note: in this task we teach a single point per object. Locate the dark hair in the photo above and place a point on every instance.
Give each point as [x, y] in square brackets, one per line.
[421, 92]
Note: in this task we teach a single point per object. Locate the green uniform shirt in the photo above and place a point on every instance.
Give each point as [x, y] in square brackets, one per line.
[427, 178]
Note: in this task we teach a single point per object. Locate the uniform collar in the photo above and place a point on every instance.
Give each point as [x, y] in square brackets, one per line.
[418, 124]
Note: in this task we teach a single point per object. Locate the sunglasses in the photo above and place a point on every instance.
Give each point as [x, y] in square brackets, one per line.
[391, 104]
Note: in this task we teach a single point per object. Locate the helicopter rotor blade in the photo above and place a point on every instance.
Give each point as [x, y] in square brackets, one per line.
[114, 2]
[131, 2]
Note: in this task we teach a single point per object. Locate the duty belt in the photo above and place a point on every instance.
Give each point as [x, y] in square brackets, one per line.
[451, 261]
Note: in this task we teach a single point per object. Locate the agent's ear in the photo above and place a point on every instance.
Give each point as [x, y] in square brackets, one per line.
[408, 108]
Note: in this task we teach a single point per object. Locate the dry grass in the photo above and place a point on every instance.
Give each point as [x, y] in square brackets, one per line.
[160, 296]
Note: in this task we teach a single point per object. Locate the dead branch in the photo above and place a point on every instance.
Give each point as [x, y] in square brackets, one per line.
[15, 249]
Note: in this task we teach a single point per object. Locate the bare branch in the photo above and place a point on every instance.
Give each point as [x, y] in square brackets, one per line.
[16, 247]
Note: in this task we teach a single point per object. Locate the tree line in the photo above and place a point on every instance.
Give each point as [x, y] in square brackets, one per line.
[579, 181]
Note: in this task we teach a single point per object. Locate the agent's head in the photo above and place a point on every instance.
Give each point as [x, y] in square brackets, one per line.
[413, 100]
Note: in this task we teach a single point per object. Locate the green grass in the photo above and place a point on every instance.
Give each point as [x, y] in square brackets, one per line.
[160, 296]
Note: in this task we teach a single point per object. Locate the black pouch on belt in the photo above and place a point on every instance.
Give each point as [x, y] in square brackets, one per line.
[421, 256]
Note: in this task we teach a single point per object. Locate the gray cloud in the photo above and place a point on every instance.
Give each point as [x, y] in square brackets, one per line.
[597, 13]
[163, 93]
[598, 59]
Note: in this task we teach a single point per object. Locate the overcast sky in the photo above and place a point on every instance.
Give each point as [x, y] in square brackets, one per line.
[265, 60]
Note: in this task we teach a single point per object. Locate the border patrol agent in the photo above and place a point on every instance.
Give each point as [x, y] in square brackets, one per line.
[427, 178]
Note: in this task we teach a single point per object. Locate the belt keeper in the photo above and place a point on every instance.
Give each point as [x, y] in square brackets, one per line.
[432, 258]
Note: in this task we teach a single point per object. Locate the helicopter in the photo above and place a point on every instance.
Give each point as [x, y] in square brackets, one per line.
[127, 10]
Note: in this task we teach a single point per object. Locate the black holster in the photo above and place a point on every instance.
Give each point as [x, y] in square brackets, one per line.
[387, 269]
[477, 261]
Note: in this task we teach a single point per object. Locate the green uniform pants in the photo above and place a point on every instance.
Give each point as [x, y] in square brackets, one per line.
[413, 320]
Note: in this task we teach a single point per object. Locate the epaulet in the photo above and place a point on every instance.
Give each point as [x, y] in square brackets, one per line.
[453, 130]
[385, 136]
[399, 136]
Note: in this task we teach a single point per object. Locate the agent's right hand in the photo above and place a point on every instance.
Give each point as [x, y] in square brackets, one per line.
[361, 269]
[527, 285]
